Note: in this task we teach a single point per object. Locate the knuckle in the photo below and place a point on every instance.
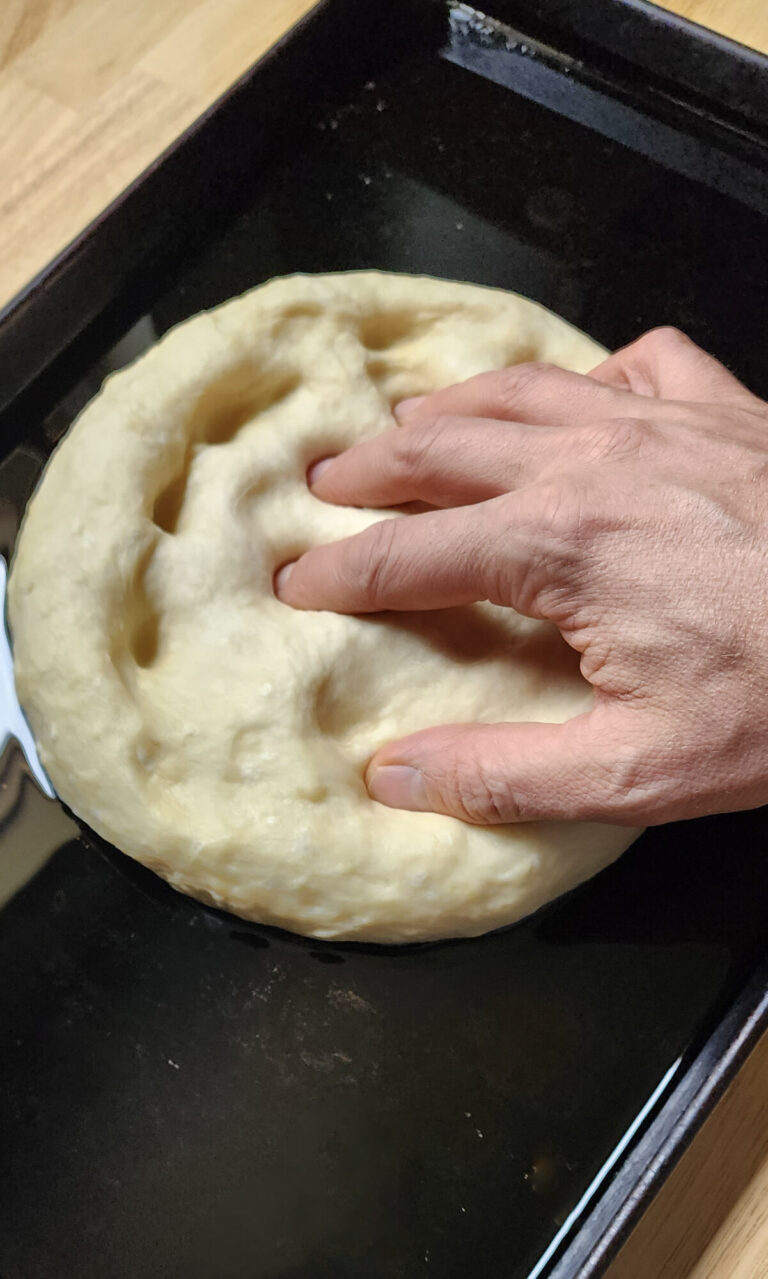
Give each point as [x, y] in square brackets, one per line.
[663, 339]
[623, 772]
[555, 520]
[480, 800]
[620, 781]
[558, 509]
[633, 774]
[432, 435]
[520, 380]
[635, 788]
[405, 450]
[619, 438]
[369, 562]
[413, 447]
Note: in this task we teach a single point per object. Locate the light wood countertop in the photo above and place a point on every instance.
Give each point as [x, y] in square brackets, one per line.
[742, 20]
[90, 92]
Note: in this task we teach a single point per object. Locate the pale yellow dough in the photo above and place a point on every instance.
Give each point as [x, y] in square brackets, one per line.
[219, 736]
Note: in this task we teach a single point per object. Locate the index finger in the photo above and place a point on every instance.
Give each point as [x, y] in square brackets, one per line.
[438, 559]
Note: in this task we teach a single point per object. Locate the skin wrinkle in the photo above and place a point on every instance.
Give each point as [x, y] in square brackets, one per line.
[645, 543]
[372, 571]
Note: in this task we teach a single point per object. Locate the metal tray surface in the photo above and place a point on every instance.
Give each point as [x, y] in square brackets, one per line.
[184, 1094]
[716, 75]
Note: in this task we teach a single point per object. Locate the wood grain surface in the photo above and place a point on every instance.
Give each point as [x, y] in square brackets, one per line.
[742, 20]
[90, 92]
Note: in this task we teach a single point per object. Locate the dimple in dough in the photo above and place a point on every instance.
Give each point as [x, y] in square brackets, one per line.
[215, 734]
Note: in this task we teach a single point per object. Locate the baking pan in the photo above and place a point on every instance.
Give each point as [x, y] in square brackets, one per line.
[184, 1094]
[651, 47]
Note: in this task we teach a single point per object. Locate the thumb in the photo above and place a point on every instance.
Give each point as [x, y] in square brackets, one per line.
[667, 364]
[581, 770]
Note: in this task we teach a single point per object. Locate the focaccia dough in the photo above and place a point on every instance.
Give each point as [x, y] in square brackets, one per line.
[212, 732]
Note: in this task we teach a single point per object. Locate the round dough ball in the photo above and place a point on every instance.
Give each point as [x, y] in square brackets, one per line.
[217, 735]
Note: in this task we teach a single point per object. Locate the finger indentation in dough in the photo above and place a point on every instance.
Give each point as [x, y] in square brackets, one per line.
[394, 383]
[227, 405]
[226, 409]
[147, 751]
[247, 752]
[142, 616]
[168, 503]
[384, 329]
[294, 318]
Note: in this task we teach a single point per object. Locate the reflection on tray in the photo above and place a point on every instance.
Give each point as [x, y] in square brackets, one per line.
[32, 824]
[13, 725]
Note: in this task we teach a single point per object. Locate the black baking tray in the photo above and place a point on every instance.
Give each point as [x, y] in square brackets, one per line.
[652, 48]
[184, 1094]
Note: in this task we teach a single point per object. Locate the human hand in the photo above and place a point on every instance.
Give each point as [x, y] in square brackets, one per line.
[628, 507]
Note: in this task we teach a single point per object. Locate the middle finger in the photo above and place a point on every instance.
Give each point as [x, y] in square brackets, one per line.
[446, 461]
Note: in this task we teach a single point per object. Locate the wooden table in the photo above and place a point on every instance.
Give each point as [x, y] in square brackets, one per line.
[90, 92]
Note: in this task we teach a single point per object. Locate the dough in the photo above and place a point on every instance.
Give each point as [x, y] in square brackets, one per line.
[212, 732]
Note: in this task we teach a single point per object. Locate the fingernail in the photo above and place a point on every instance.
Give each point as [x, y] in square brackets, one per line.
[405, 406]
[398, 786]
[281, 578]
[316, 470]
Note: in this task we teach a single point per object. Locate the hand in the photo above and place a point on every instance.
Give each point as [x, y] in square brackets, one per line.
[630, 508]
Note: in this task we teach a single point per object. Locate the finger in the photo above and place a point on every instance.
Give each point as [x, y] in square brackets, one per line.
[585, 769]
[540, 394]
[445, 461]
[435, 560]
[668, 365]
